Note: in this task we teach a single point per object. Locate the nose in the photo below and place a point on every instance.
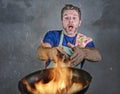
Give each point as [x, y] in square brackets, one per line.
[70, 20]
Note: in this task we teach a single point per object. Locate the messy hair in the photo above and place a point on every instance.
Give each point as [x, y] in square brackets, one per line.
[70, 7]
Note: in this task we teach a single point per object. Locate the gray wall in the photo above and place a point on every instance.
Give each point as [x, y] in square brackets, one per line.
[23, 23]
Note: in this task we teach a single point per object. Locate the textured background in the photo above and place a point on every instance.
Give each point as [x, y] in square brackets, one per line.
[23, 23]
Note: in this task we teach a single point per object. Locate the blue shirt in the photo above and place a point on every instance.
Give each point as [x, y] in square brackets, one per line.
[53, 37]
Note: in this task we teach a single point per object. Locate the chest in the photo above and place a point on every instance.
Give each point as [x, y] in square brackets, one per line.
[67, 39]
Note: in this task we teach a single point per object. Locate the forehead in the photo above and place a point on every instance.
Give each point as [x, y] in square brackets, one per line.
[70, 12]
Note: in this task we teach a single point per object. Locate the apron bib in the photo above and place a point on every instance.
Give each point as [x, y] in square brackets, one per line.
[68, 50]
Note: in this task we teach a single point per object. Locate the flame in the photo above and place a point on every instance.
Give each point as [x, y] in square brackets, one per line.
[57, 85]
[60, 82]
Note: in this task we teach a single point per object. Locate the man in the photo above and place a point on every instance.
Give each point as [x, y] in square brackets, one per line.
[77, 46]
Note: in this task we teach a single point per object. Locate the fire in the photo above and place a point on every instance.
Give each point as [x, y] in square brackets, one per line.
[57, 85]
[59, 80]
[60, 83]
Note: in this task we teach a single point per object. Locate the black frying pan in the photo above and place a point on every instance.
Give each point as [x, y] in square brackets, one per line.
[79, 76]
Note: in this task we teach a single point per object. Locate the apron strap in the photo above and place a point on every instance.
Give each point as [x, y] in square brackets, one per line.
[67, 50]
[61, 39]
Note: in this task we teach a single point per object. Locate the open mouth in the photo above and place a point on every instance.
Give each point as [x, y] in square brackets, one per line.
[70, 27]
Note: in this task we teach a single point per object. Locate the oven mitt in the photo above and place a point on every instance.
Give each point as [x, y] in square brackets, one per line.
[50, 53]
[77, 56]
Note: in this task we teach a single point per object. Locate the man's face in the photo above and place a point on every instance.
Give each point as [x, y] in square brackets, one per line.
[70, 22]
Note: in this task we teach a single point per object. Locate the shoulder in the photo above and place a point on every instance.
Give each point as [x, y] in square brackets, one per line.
[52, 37]
[54, 32]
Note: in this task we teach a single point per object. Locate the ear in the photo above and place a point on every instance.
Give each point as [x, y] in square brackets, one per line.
[62, 22]
[80, 22]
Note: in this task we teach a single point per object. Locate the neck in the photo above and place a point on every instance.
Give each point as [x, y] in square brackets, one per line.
[70, 35]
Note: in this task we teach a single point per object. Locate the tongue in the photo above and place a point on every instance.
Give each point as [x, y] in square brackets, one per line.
[70, 27]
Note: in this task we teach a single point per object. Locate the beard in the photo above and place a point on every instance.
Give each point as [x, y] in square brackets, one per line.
[70, 32]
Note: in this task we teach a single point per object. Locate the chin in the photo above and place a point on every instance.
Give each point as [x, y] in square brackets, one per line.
[71, 32]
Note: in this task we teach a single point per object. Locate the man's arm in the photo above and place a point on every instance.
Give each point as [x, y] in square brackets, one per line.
[46, 52]
[80, 54]
[42, 51]
[91, 54]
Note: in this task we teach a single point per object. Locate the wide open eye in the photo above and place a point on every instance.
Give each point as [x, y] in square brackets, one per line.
[66, 18]
[74, 18]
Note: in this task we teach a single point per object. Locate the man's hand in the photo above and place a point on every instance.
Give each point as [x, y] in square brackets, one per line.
[77, 56]
[45, 52]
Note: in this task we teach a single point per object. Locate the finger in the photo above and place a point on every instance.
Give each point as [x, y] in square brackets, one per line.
[61, 50]
[74, 55]
[70, 45]
[76, 62]
[73, 60]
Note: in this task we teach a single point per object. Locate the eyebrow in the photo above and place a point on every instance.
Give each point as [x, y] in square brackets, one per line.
[67, 15]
